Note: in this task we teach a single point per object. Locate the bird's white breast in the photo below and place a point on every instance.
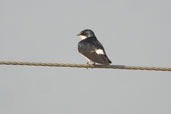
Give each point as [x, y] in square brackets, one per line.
[83, 37]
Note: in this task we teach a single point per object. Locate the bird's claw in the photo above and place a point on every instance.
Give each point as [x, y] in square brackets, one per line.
[94, 63]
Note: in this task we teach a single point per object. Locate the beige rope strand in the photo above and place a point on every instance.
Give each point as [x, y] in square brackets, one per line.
[85, 65]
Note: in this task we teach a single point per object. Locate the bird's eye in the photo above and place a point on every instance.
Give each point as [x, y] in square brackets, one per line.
[81, 33]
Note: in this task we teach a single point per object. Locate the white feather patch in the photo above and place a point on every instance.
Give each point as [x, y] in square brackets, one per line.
[83, 37]
[100, 51]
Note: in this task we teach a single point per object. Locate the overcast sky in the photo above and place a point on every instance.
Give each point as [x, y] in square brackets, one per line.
[133, 32]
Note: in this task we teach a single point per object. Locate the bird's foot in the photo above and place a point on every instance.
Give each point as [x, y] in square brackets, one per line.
[91, 64]
[94, 63]
[88, 63]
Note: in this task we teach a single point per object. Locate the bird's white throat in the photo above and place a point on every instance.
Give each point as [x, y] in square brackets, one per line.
[83, 37]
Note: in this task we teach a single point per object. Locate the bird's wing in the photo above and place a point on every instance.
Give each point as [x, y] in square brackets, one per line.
[95, 52]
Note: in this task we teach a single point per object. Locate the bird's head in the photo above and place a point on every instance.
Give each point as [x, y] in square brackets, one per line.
[87, 33]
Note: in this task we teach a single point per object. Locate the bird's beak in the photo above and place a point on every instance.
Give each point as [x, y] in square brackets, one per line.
[78, 34]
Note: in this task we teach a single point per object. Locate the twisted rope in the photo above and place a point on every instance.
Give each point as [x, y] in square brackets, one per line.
[85, 65]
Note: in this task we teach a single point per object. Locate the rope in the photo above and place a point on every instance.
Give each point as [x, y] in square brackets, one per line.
[85, 65]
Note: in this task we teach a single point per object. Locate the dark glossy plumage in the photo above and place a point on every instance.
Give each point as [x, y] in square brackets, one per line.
[89, 46]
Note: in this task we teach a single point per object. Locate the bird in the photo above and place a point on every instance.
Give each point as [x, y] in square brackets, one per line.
[92, 49]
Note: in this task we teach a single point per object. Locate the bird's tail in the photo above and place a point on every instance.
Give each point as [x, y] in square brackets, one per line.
[109, 61]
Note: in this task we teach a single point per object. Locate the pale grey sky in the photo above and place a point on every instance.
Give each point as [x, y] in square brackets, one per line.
[133, 32]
